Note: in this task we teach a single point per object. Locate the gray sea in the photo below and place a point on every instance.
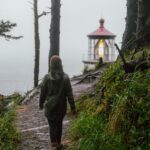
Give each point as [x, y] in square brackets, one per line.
[16, 77]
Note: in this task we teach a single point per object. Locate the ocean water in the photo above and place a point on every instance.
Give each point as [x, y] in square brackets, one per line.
[18, 77]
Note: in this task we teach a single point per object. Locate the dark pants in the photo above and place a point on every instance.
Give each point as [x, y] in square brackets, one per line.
[55, 130]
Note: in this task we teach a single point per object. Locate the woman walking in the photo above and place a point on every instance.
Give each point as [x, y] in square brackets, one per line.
[56, 84]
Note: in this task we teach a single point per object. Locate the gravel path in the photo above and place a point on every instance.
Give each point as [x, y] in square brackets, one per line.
[33, 125]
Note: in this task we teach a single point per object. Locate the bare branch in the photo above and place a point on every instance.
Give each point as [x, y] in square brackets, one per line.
[44, 13]
[121, 55]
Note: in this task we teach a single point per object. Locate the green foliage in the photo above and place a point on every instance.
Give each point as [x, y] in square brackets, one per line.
[9, 137]
[90, 132]
[142, 52]
[120, 120]
[5, 29]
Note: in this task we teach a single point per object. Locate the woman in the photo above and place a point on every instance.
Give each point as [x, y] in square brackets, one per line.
[54, 82]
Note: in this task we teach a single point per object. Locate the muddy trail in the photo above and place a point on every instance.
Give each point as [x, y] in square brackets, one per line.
[32, 123]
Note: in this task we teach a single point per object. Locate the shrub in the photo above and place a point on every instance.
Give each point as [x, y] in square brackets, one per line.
[9, 137]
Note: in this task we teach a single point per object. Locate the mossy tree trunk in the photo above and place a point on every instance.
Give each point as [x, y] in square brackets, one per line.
[37, 44]
[54, 28]
[137, 31]
[130, 29]
[143, 23]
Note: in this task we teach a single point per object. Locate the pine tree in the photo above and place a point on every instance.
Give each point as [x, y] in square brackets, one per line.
[5, 29]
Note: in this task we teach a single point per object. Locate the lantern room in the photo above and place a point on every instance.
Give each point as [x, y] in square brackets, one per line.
[100, 45]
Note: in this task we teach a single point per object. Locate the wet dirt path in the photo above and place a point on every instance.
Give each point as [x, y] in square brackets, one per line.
[33, 125]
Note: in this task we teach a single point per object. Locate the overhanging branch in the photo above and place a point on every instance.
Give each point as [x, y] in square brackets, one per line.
[44, 13]
[8, 37]
[5, 28]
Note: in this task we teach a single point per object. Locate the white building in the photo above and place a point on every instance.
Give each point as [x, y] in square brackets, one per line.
[101, 45]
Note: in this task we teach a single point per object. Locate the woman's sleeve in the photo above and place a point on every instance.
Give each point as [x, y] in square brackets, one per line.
[70, 95]
[43, 93]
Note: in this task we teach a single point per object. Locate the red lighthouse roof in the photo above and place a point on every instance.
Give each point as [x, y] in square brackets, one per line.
[102, 32]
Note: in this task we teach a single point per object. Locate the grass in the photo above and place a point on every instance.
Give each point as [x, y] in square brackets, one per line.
[9, 137]
[117, 116]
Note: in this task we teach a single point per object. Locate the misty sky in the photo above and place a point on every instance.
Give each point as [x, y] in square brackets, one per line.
[78, 18]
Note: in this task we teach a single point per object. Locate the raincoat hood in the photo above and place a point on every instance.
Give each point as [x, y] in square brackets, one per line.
[56, 69]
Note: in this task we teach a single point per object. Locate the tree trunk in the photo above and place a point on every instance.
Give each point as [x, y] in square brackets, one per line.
[54, 28]
[143, 23]
[130, 30]
[37, 44]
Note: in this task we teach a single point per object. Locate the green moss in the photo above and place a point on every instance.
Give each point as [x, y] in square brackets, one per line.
[120, 119]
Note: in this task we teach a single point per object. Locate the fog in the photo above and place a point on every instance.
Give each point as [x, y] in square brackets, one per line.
[78, 18]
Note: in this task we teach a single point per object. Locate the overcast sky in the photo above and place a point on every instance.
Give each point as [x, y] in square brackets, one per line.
[78, 18]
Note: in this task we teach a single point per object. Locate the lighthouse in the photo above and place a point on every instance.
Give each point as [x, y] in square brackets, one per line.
[100, 46]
